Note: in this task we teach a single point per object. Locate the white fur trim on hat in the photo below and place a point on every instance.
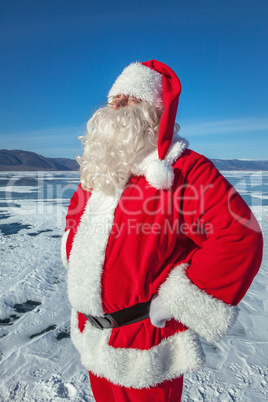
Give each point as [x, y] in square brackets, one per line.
[141, 82]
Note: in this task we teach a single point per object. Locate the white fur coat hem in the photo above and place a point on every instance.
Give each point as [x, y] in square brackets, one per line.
[136, 368]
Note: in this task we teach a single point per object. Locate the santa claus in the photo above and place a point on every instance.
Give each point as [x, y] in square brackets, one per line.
[159, 246]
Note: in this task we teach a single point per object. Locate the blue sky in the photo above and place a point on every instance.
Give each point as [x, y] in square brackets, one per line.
[59, 59]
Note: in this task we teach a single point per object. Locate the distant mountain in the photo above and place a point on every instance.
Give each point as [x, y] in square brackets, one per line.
[239, 164]
[18, 160]
[65, 163]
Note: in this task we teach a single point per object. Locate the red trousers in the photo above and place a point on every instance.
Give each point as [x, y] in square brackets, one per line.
[104, 391]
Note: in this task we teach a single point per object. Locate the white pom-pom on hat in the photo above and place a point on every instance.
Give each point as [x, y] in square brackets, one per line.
[160, 174]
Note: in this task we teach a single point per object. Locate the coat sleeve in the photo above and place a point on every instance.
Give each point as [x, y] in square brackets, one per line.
[201, 292]
[69, 224]
[74, 213]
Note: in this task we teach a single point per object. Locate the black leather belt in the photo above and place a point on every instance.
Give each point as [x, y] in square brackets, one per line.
[127, 316]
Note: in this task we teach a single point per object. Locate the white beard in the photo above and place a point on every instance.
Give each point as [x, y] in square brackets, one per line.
[115, 142]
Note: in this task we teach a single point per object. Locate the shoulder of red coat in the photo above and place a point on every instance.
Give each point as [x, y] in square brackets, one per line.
[190, 158]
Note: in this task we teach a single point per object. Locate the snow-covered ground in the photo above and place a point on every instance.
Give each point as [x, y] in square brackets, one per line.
[37, 359]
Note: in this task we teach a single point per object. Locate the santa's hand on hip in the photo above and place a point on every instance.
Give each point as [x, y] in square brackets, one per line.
[158, 312]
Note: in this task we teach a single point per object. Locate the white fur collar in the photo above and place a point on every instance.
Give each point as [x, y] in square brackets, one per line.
[159, 173]
[88, 253]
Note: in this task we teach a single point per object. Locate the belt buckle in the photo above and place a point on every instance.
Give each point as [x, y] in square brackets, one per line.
[108, 321]
[112, 321]
[93, 321]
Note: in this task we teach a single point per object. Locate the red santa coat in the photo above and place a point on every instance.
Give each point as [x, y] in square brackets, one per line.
[197, 244]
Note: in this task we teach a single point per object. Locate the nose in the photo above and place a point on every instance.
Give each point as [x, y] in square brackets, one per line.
[120, 102]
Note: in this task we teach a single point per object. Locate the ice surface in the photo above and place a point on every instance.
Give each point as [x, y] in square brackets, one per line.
[37, 359]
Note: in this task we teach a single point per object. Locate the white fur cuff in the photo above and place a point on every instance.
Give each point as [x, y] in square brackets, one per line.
[209, 317]
[63, 249]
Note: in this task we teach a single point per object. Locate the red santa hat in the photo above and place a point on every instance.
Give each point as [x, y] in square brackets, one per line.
[154, 82]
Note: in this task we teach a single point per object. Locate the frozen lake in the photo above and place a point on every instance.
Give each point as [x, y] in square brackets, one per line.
[37, 359]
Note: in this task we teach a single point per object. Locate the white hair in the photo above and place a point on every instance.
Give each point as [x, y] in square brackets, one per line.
[115, 141]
